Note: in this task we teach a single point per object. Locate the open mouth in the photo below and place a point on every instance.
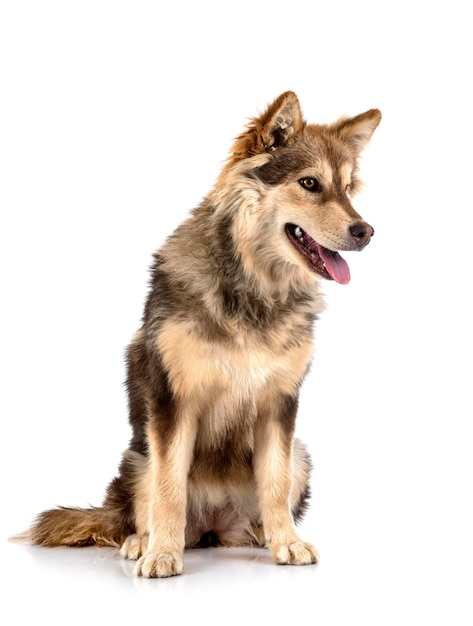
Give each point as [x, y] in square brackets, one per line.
[325, 262]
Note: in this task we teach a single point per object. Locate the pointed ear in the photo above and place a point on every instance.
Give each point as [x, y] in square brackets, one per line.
[357, 131]
[281, 121]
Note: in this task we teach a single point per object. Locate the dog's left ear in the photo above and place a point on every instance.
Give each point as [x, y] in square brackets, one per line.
[357, 131]
[281, 121]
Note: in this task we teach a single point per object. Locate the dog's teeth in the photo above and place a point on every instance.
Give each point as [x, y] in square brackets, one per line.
[298, 232]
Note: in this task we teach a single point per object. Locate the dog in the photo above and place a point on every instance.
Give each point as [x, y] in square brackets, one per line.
[214, 372]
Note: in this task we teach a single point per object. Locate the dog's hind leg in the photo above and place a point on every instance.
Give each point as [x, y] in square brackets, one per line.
[134, 547]
[300, 492]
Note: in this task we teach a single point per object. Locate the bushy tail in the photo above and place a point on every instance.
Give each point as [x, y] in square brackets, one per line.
[71, 527]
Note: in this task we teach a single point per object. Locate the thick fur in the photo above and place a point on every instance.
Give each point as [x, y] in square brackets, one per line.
[227, 337]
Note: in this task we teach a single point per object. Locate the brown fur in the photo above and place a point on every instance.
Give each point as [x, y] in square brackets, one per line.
[215, 370]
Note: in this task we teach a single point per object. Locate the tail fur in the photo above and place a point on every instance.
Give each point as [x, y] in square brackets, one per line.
[71, 527]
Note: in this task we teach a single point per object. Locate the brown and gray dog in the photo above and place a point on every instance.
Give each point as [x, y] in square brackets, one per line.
[227, 337]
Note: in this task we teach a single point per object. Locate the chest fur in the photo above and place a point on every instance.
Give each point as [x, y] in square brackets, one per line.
[243, 367]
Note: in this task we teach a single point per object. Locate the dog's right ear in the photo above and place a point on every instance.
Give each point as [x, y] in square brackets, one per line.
[281, 121]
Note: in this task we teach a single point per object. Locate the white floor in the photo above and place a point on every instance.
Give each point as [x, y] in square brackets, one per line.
[379, 579]
[220, 586]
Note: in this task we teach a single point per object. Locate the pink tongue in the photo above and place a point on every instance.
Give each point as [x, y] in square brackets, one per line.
[335, 265]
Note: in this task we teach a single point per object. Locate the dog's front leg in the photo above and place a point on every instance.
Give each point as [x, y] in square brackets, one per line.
[170, 455]
[274, 477]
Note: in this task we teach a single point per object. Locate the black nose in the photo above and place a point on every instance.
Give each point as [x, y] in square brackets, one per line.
[361, 233]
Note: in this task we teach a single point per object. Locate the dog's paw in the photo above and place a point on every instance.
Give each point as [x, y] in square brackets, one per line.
[159, 565]
[297, 553]
[134, 546]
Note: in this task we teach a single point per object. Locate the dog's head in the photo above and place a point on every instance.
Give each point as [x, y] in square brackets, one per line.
[304, 176]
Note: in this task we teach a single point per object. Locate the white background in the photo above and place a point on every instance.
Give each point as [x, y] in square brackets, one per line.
[115, 119]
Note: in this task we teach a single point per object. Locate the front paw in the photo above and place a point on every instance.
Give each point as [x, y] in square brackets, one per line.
[159, 565]
[296, 553]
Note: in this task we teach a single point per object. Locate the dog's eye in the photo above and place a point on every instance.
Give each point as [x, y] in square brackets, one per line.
[309, 183]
